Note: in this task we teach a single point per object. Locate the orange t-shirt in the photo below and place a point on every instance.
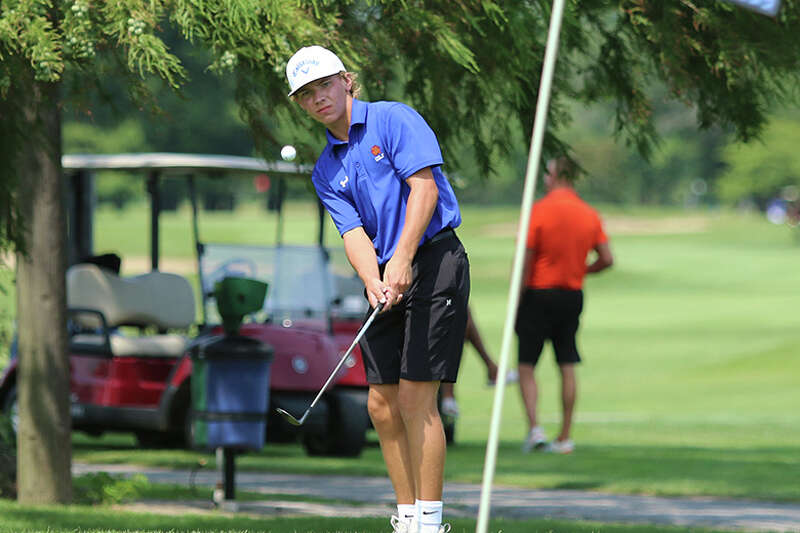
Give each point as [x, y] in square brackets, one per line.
[562, 231]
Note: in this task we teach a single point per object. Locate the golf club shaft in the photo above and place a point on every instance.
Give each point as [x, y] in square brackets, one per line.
[345, 356]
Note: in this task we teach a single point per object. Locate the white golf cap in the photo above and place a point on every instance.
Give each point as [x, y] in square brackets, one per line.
[309, 64]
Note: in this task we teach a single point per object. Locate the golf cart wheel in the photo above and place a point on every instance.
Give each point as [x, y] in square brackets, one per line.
[346, 431]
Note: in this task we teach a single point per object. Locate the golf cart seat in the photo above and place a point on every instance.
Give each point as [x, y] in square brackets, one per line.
[99, 301]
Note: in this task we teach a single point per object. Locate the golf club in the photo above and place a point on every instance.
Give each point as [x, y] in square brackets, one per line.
[294, 421]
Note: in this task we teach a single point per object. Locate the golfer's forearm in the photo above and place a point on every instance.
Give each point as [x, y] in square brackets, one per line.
[361, 254]
[419, 210]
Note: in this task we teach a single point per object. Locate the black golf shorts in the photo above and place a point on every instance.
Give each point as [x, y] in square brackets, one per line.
[420, 339]
[549, 314]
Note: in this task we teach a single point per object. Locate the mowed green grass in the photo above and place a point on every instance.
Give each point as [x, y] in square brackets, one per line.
[79, 518]
[691, 368]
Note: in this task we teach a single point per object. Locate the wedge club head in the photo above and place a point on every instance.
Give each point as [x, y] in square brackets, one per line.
[291, 419]
[294, 421]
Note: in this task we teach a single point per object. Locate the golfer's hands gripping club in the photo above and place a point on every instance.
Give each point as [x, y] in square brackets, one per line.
[397, 278]
[381, 294]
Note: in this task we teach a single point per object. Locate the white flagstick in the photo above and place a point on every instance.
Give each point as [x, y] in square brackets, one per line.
[534, 156]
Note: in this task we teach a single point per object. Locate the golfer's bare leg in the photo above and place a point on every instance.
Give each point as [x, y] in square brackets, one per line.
[568, 395]
[426, 441]
[529, 390]
[385, 414]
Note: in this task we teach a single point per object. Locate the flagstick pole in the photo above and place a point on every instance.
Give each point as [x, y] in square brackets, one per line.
[534, 157]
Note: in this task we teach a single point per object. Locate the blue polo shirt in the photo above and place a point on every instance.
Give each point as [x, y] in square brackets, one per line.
[361, 182]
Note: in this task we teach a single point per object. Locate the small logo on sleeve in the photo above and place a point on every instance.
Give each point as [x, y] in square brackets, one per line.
[376, 152]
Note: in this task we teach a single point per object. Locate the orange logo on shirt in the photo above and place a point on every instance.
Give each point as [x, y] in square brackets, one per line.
[375, 149]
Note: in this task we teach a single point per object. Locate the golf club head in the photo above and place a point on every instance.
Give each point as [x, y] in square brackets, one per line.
[288, 416]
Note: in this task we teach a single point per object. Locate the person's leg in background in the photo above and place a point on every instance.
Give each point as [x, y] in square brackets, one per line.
[570, 305]
[568, 396]
[531, 333]
[527, 385]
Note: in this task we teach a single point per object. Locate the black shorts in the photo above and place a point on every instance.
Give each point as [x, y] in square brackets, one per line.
[549, 314]
[420, 339]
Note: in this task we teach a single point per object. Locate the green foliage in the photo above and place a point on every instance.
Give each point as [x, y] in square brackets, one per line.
[759, 171]
[8, 306]
[126, 136]
[103, 488]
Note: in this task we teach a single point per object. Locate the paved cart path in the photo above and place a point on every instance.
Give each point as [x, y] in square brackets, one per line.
[374, 497]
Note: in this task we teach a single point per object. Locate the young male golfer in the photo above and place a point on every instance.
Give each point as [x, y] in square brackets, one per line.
[380, 178]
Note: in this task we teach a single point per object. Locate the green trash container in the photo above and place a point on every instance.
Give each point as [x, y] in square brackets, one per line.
[230, 374]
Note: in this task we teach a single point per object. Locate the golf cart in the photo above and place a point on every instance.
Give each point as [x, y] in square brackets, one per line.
[140, 380]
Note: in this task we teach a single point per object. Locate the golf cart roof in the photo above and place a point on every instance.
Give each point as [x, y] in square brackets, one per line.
[179, 163]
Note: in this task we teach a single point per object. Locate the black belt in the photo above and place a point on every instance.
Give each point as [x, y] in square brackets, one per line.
[445, 233]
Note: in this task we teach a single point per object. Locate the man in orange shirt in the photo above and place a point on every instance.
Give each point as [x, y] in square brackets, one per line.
[563, 229]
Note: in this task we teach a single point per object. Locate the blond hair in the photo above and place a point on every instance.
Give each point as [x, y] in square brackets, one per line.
[355, 87]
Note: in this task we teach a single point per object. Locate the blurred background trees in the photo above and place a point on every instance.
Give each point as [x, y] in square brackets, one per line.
[652, 123]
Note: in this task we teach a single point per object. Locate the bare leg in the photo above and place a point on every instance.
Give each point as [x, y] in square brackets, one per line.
[385, 414]
[448, 390]
[527, 385]
[425, 434]
[568, 395]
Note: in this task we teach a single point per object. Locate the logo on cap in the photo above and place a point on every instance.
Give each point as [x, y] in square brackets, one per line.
[310, 64]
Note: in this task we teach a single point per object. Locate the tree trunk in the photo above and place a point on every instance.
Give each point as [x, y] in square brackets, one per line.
[44, 446]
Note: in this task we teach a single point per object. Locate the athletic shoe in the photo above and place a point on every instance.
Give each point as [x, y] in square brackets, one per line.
[535, 440]
[401, 526]
[560, 446]
[450, 407]
[511, 377]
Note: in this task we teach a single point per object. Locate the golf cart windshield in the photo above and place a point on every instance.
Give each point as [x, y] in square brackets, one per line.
[304, 281]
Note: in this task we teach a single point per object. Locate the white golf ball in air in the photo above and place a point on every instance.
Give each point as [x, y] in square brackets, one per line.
[288, 153]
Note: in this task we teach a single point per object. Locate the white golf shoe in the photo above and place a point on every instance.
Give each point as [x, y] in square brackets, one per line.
[560, 446]
[535, 440]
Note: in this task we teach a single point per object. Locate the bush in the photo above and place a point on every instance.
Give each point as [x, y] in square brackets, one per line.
[8, 459]
[103, 488]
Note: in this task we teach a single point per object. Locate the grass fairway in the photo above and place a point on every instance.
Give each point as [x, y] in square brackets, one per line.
[689, 385]
[57, 519]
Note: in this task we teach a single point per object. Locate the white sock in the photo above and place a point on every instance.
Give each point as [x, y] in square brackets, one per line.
[406, 512]
[430, 516]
